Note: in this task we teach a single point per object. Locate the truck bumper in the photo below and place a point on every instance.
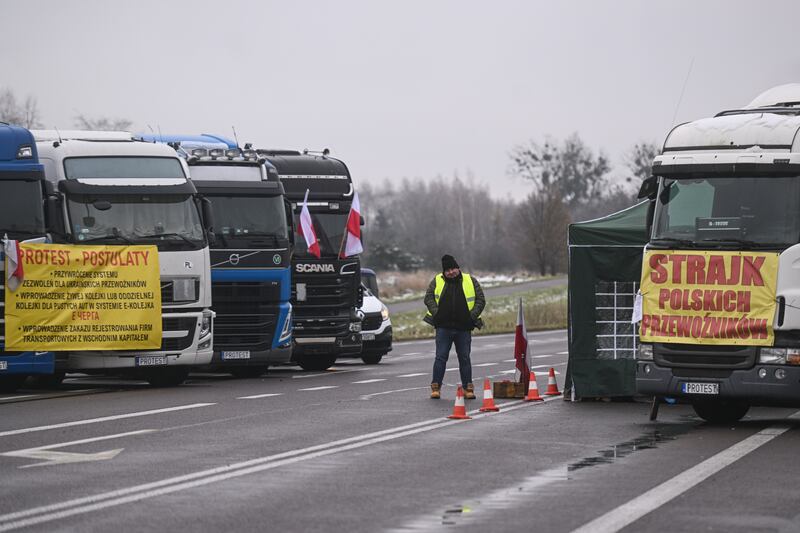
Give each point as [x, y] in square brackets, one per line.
[733, 384]
[27, 363]
[349, 346]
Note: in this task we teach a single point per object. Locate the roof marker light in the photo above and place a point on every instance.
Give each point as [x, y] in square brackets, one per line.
[250, 154]
[25, 152]
[216, 152]
[200, 152]
[233, 152]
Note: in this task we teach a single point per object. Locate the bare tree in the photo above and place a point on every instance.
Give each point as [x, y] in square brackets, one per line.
[639, 160]
[24, 114]
[102, 123]
[543, 220]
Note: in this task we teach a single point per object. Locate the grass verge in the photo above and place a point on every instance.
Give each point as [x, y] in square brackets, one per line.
[543, 308]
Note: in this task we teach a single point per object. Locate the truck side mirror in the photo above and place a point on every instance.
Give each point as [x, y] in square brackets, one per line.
[361, 220]
[208, 220]
[53, 213]
[649, 188]
[287, 205]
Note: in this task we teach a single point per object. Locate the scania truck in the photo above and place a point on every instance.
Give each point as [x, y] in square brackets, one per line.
[23, 197]
[113, 190]
[250, 251]
[326, 292]
[720, 288]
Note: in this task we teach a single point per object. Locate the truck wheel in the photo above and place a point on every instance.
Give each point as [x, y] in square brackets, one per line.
[47, 381]
[168, 377]
[372, 359]
[244, 372]
[316, 363]
[12, 382]
[721, 412]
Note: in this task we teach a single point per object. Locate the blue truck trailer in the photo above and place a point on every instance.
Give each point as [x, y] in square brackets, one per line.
[250, 253]
[23, 203]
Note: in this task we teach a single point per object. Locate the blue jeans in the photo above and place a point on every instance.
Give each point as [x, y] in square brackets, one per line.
[445, 338]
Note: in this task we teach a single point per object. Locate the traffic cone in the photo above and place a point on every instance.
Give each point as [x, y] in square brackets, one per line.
[459, 410]
[533, 390]
[488, 398]
[552, 386]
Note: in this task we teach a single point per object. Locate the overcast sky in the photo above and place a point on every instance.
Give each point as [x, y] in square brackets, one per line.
[405, 88]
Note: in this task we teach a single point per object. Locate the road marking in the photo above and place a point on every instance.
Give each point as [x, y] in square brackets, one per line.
[413, 353]
[415, 374]
[507, 371]
[630, 512]
[104, 419]
[509, 361]
[370, 396]
[331, 372]
[257, 396]
[563, 353]
[87, 504]
[369, 381]
[451, 369]
[321, 388]
[487, 364]
[50, 457]
[20, 397]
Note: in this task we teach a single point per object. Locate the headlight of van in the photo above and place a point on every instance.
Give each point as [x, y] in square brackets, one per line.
[384, 313]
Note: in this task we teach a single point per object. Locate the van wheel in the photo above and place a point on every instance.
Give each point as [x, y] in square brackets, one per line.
[167, 377]
[372, 359]
[12, 382]
[316, 363]
[721, 412]
[245, 372]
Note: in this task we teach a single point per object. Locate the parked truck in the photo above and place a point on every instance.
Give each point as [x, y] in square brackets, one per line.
[113, 190]
[250, 251]
[23, 194]
[720, 291]
[326, 292]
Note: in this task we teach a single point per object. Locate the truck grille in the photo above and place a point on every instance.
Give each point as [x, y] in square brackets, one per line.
[246, 314]
[326, 309]
[698, 356]
[186, 324]
[371, 321]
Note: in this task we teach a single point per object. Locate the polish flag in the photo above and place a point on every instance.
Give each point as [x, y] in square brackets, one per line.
[307, 229]
[14, 273]
[523, 373]
[352, 243]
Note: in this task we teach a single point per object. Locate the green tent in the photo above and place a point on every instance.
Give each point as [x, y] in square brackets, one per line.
[605, 261]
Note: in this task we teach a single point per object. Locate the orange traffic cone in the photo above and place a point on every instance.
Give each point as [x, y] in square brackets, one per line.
[552, 386]
[533, 390]
[488, 398]
[459, 410]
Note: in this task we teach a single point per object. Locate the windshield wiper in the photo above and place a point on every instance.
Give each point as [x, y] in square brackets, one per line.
[156, 235]
[673, 241]
[104, 237]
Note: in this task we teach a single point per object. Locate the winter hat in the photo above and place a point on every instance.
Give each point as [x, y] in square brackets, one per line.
[448, 262]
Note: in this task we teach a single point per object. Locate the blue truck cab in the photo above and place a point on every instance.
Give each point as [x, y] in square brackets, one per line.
[23, 201]
[251, 246]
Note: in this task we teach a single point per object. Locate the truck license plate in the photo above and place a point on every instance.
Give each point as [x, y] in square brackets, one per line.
[3, 365]
[151, 360]
[241, 354]
[367, 336]
[700, 388]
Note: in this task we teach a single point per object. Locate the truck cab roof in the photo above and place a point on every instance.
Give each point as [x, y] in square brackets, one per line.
[19, 157]
[327, 178]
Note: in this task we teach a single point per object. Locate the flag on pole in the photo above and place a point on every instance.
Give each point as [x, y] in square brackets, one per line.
[14, 273]
[352, 231]
[307, 229]
[523, 373]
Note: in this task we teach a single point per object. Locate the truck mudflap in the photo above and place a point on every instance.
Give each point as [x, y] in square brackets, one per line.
[764, 385]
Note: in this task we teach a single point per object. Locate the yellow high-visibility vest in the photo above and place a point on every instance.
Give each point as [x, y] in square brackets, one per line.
[466, 285]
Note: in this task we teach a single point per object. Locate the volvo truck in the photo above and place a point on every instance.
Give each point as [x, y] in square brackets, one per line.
[326, 291]
[250, 251]
[23, 200]
[113, 190]
[720, 288]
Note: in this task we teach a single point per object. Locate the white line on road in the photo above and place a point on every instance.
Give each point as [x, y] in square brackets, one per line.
[369, 381]
[104, 419]
[257, 396]
[487, 364]
[370, 396]
[50, 457]
[321, 388]
[415, 374]
[331, 372]
[20, 397]
[630, 512]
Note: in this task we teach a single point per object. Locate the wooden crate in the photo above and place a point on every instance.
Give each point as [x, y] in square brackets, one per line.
[508, 389]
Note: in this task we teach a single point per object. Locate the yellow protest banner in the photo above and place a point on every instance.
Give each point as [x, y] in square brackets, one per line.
[709, 297]
[85, 298]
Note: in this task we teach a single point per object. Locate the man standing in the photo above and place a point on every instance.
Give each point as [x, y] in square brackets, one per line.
[455, 302]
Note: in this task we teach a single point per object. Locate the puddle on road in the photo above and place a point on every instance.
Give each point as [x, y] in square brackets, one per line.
[505, 498]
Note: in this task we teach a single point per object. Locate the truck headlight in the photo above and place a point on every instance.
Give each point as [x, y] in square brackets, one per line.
[645, 352]
[384, 313]
[205, 325]
[772, 356]
[286, 332]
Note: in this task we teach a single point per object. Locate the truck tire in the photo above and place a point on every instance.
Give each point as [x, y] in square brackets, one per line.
[11, 382]
[316, 363]
[721, 412]
[47, 381]
[167, 377]
[245, 372]
[372, 359]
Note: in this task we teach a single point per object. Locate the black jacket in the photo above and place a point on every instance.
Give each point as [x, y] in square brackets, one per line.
[452, 312]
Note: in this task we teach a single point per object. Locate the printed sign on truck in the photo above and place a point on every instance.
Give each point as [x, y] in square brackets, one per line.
[85, 298]
[709, 297]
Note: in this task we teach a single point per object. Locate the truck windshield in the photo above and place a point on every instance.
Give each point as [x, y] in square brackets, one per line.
[123, 167]
[250, 222]
[169, 221]
[718, 211]
[329, 228]
[21, 211]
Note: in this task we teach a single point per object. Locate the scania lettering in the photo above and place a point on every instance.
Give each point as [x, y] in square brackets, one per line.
[114, 190]
[326, 292]
[250, 251]
[720, 324]
[23, 193]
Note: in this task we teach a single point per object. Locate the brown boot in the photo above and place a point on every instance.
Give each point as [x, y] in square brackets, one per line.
[435, 394]
[469, 393]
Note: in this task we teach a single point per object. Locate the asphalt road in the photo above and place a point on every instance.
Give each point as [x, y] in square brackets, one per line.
[410, 305]
[363, 448]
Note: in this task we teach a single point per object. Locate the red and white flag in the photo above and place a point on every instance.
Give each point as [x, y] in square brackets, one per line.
[307, 229]
[14, 273]
[352, 232]
[523, 373]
